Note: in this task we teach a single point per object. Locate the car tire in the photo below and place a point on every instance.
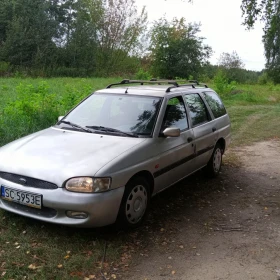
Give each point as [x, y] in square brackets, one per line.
[135, 203]
[215, 163]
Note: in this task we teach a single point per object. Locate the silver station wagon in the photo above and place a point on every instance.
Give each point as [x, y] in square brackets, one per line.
[104, 160]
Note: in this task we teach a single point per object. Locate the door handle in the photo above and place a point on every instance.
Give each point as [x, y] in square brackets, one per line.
[190, 139]
[214, 129]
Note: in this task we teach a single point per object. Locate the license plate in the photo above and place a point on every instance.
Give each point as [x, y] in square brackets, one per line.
[26, 198]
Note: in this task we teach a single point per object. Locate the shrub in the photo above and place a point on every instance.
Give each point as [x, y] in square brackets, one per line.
[143, 75]
[73, 96]
[263, 79]
[221, 84]
[4, 68]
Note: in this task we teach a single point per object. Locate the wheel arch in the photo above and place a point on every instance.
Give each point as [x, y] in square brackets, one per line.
[222, 142]
[148, 176]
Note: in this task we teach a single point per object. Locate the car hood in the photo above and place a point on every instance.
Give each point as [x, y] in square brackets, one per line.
[56, 155]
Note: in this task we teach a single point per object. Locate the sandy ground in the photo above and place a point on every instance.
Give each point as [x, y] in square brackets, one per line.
[224, 228]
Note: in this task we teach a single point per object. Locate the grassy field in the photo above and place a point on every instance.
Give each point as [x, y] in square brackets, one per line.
[34, 250]
[254, 112]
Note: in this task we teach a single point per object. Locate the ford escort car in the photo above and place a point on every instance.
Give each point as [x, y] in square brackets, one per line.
[104, 160]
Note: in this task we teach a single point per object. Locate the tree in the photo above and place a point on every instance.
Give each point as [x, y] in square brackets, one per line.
[232, 67]
[269, 12]
[119, 29]
[71, 36]
[78, 37]
[28, 32]
[176, 50]
[230, 60]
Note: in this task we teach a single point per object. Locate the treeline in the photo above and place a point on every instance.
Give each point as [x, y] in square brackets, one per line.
[105, 38]
[71, 37]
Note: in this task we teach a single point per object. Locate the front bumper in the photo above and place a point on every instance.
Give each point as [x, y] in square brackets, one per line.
[102, 208]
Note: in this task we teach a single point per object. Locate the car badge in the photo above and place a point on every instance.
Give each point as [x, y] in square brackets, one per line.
[22, 181]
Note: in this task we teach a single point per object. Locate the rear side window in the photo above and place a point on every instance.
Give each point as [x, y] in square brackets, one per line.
[175, 114]
[215, 104]
[198, 111]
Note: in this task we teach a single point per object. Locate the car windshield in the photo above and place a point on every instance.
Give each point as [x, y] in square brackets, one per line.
[125, 113]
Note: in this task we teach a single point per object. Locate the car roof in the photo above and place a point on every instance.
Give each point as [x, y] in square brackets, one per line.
[154, 90]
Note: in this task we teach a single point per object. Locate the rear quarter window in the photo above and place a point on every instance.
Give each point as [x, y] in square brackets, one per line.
[215, 104]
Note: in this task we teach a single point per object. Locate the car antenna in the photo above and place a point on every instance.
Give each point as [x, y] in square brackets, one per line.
[126, 91]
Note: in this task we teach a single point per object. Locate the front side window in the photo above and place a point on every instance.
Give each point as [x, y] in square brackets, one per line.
[127, 113]
[175, 115]
[198, 111]
[215, 104]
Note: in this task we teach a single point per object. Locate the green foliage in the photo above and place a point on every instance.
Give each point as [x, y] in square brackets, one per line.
[241, 76]
[269, 12]
[64, 72]
[143, 75]
[233, 68]
[4, 68]
[35, 108]
[72, 97]
[230, 61]
[71, 38]
[28, 105]
[263, 79]
[120, 28]
[176, 50]
[222, 85]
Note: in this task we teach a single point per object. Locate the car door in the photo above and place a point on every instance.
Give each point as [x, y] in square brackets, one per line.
[176, 153]
[203, 128]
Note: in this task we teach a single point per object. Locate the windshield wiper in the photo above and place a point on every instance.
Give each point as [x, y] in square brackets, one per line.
[76, 126]
[109, 129]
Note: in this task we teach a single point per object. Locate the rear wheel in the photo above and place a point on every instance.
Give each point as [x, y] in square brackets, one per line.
[214, 165]
[135, 203]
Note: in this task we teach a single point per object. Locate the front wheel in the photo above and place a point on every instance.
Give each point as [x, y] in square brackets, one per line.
[135, 203]
[214, 165]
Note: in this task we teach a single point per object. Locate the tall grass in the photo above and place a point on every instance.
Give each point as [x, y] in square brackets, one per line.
[28, 105]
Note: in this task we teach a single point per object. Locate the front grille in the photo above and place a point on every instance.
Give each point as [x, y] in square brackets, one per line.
[27, 181]
[44, 212]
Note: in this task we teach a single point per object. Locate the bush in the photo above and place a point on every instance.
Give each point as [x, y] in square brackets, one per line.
[143, 75]
[72, 97]
[4, 68]
[263, 79]
[67, 72]
[221, 84]
[37, 107]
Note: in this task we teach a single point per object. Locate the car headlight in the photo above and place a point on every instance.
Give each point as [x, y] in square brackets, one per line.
[88, 184]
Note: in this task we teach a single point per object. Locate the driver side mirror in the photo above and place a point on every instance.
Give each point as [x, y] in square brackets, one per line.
[60, 118]
[172, 132]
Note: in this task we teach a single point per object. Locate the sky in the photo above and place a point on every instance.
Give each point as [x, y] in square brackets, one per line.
[221, 25]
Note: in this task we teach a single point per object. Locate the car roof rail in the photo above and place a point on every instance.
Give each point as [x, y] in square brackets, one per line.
[142, 82]
[192, 83]
[184, 85]
[197, 83]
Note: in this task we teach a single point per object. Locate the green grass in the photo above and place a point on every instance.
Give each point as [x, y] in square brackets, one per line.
[254, 112]
[59, 86]
[28, 105]
[63, 253]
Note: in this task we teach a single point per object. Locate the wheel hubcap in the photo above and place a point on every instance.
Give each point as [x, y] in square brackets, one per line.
[136, 204]
[217, 160]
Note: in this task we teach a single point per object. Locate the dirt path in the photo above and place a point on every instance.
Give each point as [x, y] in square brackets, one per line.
[226, 228]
